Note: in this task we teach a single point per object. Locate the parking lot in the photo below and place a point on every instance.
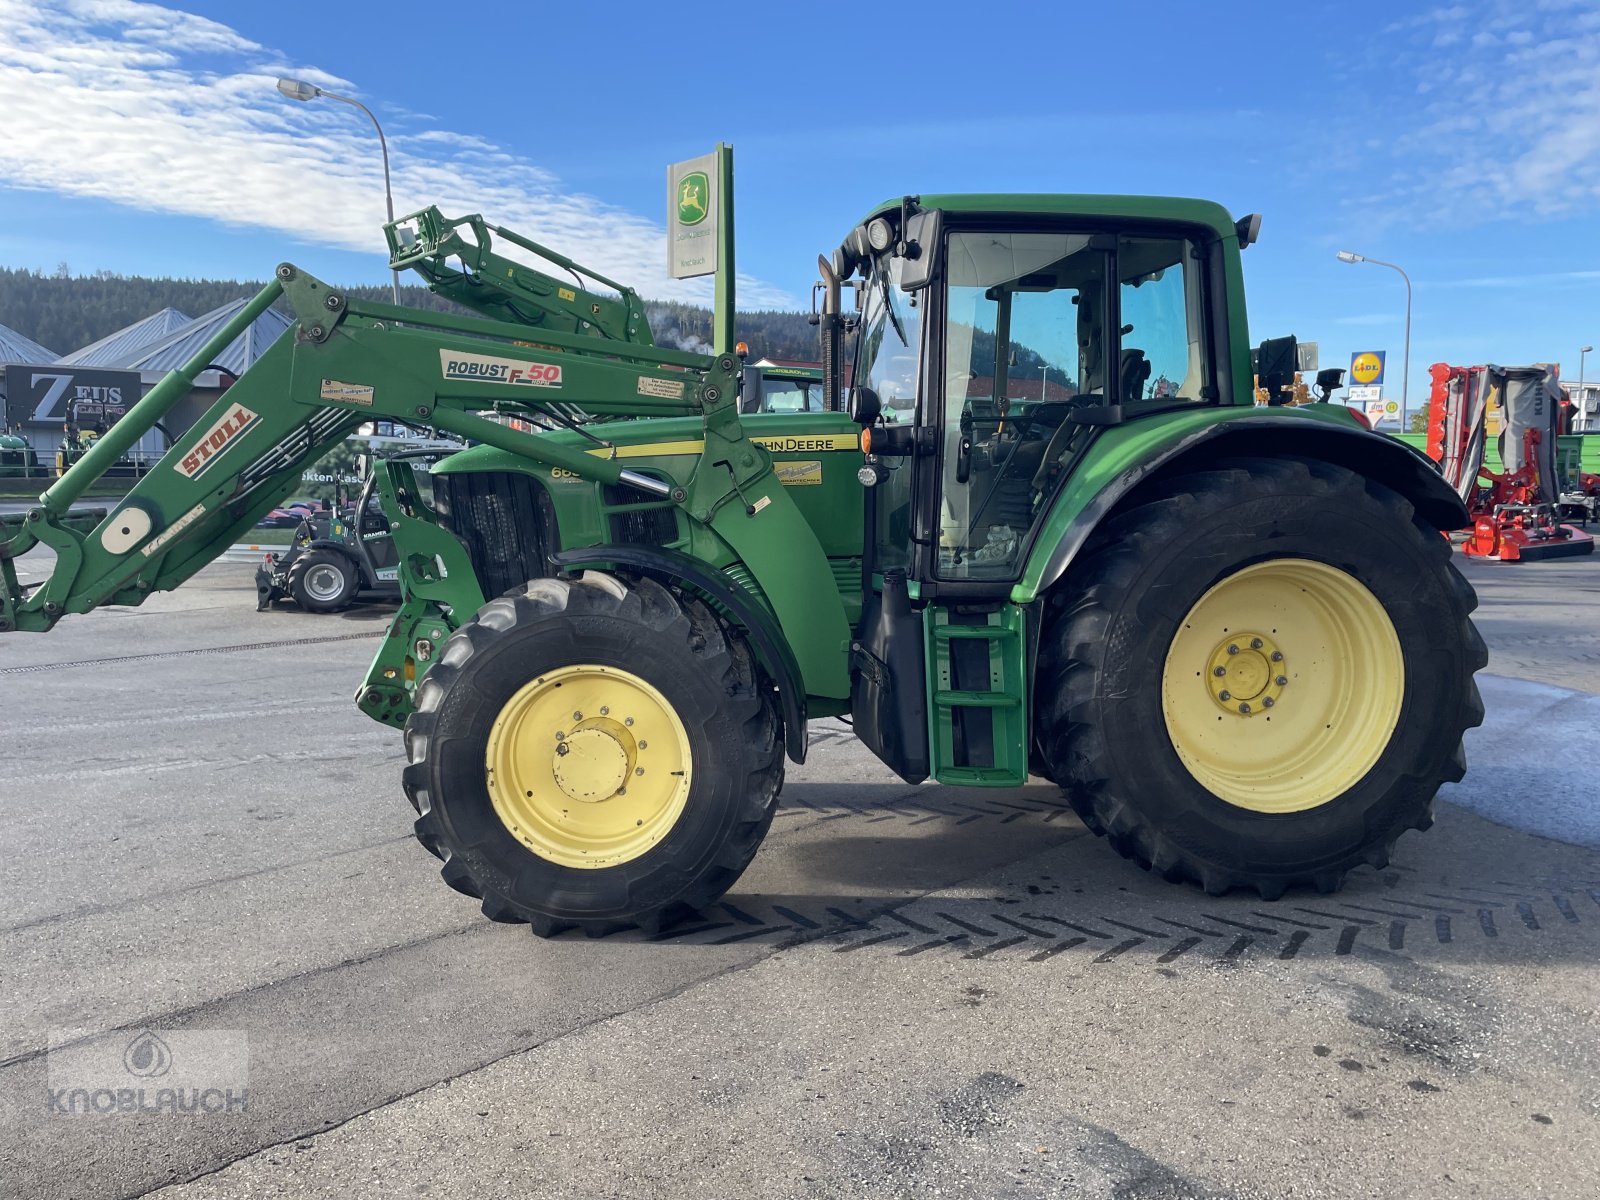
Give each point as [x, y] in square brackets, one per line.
[913, 991]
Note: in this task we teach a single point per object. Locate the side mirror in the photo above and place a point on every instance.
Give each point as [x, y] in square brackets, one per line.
[921, 238]
[1276, 362]
[868, 407]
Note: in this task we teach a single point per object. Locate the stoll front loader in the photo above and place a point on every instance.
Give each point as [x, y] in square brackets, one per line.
[1053, 537]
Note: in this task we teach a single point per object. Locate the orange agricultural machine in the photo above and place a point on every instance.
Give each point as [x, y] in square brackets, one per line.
[1514, 513]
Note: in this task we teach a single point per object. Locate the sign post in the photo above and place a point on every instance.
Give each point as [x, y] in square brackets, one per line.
[700, 231]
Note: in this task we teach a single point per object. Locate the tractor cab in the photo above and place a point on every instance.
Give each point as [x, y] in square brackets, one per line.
[995, 347]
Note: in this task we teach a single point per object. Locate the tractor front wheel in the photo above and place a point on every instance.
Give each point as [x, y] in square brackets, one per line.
[596, 754]
[1259, 676]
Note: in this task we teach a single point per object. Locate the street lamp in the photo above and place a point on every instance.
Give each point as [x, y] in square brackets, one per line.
[299, 89]
[1583, 402]
[1405, 378]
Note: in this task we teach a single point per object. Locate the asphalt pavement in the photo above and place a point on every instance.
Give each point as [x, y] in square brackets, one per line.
[913, 991]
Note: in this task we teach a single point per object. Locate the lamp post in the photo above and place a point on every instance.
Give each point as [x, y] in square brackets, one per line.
[1583, 399]
[299, 89]
[1405, 378]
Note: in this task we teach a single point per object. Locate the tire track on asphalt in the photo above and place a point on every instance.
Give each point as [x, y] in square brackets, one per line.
[38, 668]
[95, 910]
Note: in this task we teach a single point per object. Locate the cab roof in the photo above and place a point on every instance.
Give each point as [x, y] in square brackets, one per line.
[1157, 208]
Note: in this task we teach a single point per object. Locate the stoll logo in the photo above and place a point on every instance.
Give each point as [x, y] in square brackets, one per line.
[482, 368]
[174, 1073]
[215, 440]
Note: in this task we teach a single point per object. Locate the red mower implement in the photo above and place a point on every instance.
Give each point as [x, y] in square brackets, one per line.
[1514, 510]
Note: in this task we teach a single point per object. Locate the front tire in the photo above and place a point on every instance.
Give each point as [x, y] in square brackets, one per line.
[322, 581]
[594, 754]
[1259, 676]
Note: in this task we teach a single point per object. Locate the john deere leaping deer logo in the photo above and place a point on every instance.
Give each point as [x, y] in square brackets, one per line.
[693, 191]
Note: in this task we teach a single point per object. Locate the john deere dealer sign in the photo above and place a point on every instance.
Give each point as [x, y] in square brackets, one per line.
[39, 397]
[693, 215]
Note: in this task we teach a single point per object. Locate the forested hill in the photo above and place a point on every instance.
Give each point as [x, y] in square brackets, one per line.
[66, 312]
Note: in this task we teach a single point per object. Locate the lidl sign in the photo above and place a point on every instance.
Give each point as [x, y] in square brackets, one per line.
[1366, 368]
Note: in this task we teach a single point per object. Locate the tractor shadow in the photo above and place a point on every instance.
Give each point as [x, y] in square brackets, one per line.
[1015, 877]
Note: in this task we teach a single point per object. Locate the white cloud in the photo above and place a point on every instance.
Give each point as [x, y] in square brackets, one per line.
[168, 112]
[1505, 124]
[1547, 279]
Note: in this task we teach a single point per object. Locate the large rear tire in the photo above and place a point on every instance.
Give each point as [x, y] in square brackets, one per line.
[1259, 675]
[594, 754]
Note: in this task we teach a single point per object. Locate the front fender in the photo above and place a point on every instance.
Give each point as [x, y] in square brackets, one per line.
[1128, 456]
[680, 570]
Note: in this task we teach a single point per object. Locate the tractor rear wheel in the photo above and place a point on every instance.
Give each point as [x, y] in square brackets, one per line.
[1259, 675]
[322, 581]
[596, 754]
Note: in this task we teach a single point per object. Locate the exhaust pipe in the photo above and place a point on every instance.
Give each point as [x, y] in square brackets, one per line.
[832, 333]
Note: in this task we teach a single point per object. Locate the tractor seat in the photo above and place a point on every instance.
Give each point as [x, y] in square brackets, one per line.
[1135, 373]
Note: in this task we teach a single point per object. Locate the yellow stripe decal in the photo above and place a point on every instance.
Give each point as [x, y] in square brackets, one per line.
[777, 443]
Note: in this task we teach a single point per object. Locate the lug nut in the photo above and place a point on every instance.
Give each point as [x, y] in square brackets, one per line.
[1219, 672]
[1281, 680]
[627, 721]
[1244, 708]
[604, 711]
[638, 770]
[644, 745]
[1277, 656]
[1255, 643]
[1268, 702]
[577, 716]
[1224, 696]
[1233, 649]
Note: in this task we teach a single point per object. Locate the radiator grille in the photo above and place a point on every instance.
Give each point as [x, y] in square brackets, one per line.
[502, 517]
[641, 526]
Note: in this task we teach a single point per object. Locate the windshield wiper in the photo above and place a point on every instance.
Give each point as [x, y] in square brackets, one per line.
[894, 317]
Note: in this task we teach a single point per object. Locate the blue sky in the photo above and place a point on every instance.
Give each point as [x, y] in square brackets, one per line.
[1459, 140]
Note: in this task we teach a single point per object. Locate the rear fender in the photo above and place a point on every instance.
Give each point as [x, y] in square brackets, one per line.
[1116, 468]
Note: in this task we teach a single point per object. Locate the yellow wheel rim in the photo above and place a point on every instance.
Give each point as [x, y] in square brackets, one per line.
[588, 766]
[1283, 686]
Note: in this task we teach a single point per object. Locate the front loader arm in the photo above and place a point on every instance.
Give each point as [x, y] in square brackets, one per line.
[342, 363]
[427, 241]
[345, 362]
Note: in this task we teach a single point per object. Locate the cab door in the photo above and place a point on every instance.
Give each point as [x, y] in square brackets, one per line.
[1030, 341]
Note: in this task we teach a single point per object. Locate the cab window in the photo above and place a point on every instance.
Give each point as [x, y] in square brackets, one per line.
[1038, 324]
[1162, 319]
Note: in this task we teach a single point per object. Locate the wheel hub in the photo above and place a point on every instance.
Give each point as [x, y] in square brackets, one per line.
[324, 582]
[1246, 674]
[591, 764]
[1260, 735]
[588, 765]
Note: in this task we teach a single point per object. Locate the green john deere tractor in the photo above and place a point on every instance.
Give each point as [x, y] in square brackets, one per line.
[1052, 536]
